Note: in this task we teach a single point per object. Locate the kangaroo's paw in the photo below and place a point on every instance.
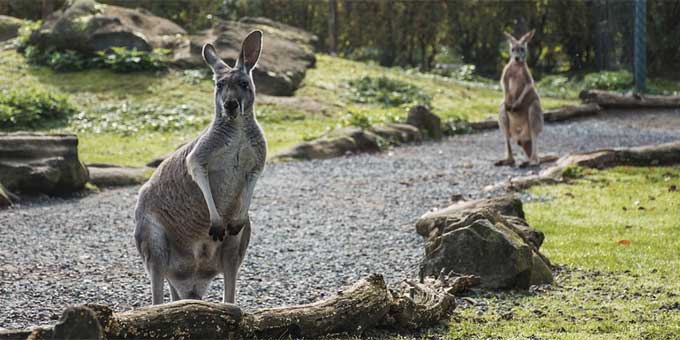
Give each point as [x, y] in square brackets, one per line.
[217, 233]
[504, 162]
[235, 227]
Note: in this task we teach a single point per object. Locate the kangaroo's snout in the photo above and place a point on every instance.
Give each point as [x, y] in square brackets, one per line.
[231, 105]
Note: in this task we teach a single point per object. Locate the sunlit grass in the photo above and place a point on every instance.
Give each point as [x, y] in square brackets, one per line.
[617, 234]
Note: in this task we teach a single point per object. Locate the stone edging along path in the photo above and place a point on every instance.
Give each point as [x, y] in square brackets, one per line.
[648, 155]
[356, 140]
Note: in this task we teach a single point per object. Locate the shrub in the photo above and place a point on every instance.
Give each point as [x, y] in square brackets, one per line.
[32, 107]
[356, 119]
[118, 59]
[123, 60]
[386, 91]
[609, 80]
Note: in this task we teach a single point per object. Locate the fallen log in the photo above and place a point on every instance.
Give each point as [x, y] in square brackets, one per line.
[571, 112]
[365, 305]
[555, 115]
[635, 100]
[648, 155]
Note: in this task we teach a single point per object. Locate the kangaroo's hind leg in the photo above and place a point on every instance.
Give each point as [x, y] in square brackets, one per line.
[233, 253]
[535, 123]
[152, 245]
[535, 128]
[504, 124]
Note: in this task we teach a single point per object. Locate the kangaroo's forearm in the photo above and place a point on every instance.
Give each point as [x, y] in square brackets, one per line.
[197, 168]
[522, 96]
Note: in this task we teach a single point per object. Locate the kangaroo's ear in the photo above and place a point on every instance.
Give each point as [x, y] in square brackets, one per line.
[213, 60]
[510, 38]
[527, 37]
[250, 51]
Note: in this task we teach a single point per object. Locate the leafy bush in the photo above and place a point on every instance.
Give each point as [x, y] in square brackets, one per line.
[608, 80]
[356, 119]
[123, 60]
[32, 107]
[118, 59]
[386, 91]
[25, 33]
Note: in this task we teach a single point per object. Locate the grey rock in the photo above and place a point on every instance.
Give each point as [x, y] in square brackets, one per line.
[509, 205]
[117, 176]
[87, 26]
[287, 53]
[540, 270]
[429, 123]
[9, 27]
[398, 133]
[32, 163]
[337, 143]
[353, 140]
[502, 250]
[494, 253]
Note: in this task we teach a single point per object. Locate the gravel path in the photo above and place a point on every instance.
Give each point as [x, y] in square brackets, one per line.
[318, 225]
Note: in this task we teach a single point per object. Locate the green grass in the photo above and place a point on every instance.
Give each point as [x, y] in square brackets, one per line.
[114, 124]
[561, 86]
[605, 289]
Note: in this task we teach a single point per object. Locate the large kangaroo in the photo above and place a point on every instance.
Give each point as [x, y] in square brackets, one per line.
[520, 116]
[205, 186]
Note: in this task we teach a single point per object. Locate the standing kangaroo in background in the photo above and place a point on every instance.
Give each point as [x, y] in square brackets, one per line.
[520, 116]
[205, 186]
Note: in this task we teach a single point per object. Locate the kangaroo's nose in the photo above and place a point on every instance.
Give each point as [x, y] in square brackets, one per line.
[231, 104]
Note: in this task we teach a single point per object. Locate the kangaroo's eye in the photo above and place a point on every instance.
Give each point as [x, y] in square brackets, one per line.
[219, 85]
[243, 84]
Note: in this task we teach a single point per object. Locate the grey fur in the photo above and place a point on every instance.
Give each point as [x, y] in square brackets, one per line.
[520, 115]
[203, 191]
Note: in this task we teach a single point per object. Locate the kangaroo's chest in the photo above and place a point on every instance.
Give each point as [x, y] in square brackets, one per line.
[516, 81]
[228, 169]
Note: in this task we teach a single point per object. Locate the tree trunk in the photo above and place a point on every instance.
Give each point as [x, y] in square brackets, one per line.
[332, 27]
[47, 7]
[365, 305]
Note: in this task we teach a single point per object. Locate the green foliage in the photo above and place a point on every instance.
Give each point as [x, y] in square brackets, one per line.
[118, 59]
[619, 81]
[357, 119]
[25, 33]
[387, 91]
[123, 60]
[609, 80]
[32, 107]
[127, 118]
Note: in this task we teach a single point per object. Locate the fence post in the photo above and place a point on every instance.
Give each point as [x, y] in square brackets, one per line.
[640, 52]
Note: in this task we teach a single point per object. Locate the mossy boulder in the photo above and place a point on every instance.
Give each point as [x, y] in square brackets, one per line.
[502, 250]
[87, 26]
